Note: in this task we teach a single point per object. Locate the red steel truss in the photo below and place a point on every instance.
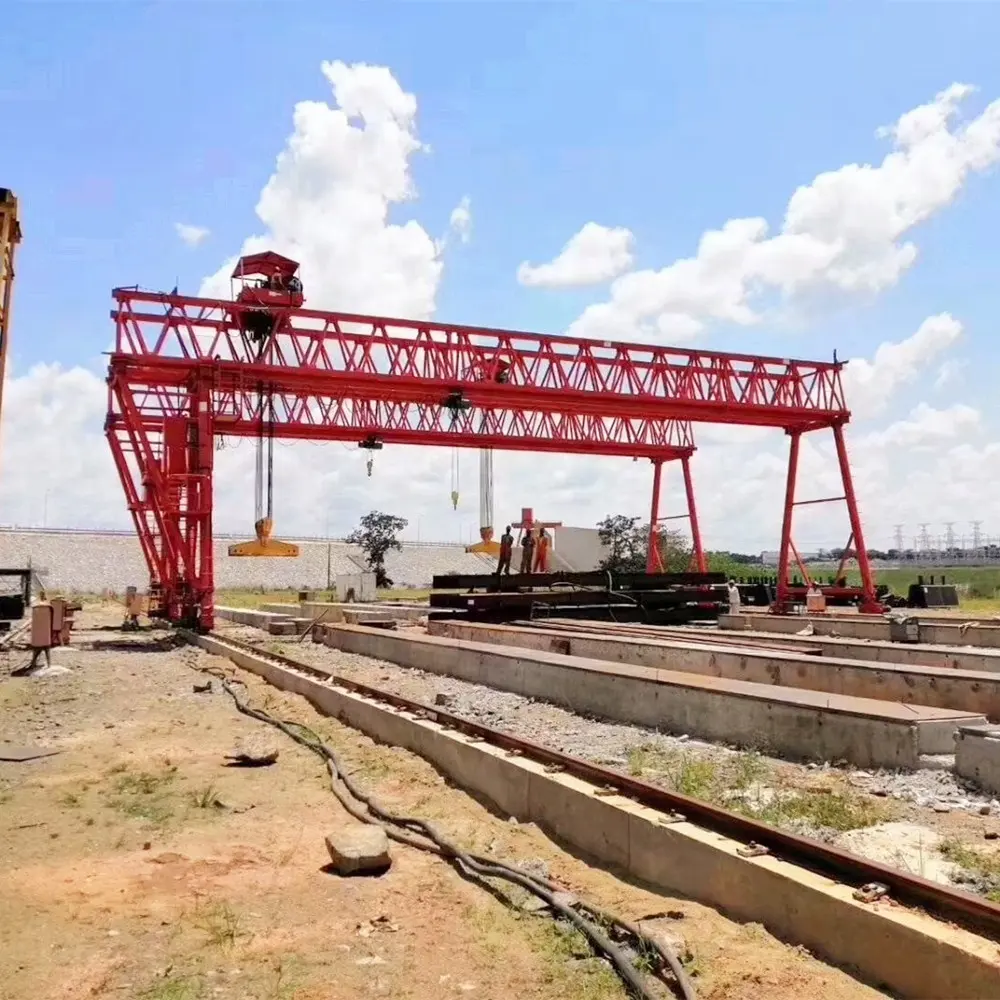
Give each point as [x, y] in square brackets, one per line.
[184, 370]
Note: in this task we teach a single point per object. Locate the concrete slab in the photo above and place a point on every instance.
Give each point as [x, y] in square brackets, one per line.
[793, 723]
[328, 611]
[906, 951]
[250, 616]
[965, 690]
[977, 756]
[281, 609]
[936, 632]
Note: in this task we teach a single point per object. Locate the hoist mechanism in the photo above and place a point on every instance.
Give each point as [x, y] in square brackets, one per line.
[454, 479]
[371, 444]
[497, 371]
[267, 280]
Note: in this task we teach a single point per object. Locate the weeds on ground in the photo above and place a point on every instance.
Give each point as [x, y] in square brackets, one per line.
[983, 867]
[206, 798]
[746, 783]
[565, 955]
[172, 989]
[223, 925]
[144, 795]
[71, 800]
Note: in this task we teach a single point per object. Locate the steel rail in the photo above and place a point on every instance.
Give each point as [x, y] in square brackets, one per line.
[953, 905]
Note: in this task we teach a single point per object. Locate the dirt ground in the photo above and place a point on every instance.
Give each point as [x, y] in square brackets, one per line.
[136, 864]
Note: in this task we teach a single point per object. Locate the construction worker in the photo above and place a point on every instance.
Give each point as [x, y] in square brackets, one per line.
[506, 551]
[734, 597]
[527, 550]
[542, 553]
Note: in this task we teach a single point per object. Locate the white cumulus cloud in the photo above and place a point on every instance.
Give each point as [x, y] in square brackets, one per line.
[845, 231]
[345, 166]
[593, 255]
[192, 236]
[869, 385]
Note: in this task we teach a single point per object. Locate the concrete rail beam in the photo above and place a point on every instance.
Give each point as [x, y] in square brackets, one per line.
[965, 690]
[873, 650]
[797, 724]
[935, 632]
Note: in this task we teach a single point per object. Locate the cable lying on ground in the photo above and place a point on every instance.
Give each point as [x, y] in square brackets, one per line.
[596, 925]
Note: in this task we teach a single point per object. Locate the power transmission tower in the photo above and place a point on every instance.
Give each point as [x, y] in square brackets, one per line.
[899, 538]
[977, 535]
[949, 534]
[925, 541]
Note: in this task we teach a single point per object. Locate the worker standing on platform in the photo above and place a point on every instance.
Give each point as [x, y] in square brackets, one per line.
[542, 553]
[734, 598]
[506, 551]
[527, 550]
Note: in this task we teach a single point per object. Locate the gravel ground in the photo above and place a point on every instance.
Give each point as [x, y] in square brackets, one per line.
[932, 802]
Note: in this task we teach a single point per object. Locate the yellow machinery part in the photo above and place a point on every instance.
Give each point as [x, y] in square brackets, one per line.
[485, 548]
[264, 545]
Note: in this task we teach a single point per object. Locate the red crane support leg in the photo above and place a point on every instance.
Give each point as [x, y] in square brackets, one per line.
[202, 456]
[697, 552]
[782, 603]
[654, 561]
[869, 602]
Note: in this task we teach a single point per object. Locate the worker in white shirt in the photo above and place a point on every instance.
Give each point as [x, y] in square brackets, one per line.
[734, 597]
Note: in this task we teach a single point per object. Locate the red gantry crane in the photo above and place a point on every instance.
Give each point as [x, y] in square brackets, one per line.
[186, 369]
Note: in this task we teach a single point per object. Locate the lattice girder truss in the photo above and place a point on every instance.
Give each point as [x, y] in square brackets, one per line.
[381, 356]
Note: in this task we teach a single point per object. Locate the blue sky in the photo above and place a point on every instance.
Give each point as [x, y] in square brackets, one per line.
[122, 119]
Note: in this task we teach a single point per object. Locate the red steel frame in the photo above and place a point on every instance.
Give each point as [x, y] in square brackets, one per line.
[183, 371]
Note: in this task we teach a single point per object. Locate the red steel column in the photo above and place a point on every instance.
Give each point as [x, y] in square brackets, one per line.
[654, 563]
[781, 598]
[696, 550]
[200, 499]
[869, 601]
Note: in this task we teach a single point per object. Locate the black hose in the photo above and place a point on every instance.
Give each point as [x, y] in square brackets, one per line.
[425, 837]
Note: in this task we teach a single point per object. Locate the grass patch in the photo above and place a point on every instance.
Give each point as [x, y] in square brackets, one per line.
[746, 783]
[568, 964]
[70, 800]
[982, 866]
[833, 811]
[172, 989]
[223, 925]
[206, 798]
[144, 795]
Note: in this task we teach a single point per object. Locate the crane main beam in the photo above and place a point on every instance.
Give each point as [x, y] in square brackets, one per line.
[299, 414]
[417, 361]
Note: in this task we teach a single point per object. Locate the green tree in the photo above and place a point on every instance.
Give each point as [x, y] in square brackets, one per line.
[375, 536]
[627, 539]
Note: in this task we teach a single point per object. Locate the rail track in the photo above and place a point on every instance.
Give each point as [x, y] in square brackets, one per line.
[945, 902]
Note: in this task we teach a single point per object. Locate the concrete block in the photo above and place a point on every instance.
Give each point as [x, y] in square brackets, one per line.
[977, 756]
[359, 849]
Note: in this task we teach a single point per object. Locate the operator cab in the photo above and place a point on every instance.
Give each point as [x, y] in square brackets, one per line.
[268, 281]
